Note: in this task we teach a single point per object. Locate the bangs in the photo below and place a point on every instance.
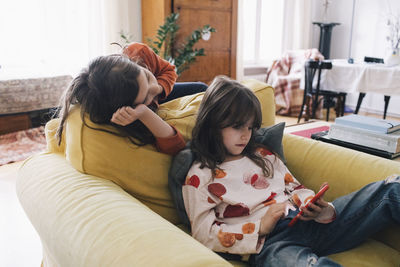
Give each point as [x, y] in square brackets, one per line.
[241, 110]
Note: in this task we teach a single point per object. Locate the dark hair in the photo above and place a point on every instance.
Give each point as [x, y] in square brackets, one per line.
[226, 103]
[108, 83]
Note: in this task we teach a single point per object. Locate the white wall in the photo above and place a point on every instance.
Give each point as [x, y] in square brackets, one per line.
[125, 15]
[369, 39]
[135, 20]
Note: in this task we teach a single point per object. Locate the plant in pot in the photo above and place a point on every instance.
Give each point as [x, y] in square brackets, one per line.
[181, 55]
[393, 37]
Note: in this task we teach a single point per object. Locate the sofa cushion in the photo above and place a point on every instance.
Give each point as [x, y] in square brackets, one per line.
[141, 171]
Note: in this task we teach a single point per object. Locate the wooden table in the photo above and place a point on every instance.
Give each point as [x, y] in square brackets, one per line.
[362, 78]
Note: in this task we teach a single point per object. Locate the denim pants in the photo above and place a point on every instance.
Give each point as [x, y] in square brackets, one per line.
[358, 216]
[185, 88]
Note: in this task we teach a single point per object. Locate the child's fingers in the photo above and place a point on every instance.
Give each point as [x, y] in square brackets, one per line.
[306, 218]
[130, 111]
[310, 212]
[116, 119]
[325, 183]
[123, 112]
[121, 117]
[314, 207]
[322, 203]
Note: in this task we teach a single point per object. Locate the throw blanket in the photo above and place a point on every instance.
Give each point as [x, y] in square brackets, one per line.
[285, 75]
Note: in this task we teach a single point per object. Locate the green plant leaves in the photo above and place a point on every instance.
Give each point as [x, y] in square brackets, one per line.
[182, 54]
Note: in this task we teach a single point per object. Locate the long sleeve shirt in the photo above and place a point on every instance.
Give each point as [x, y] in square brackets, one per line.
[162, 69]
[225, 207]
[170, 145]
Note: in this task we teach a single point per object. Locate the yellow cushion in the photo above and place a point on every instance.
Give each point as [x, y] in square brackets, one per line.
[346, 170]
[140, 171]
[371, 253]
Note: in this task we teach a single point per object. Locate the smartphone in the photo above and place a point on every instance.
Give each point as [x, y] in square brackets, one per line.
[313, 200]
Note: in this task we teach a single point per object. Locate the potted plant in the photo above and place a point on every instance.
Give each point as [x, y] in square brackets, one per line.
[393, 37]
[182, 55]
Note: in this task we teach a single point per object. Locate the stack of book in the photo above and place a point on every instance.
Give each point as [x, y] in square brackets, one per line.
[372, 135]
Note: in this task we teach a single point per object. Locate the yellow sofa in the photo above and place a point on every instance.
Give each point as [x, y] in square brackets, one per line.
[99, 200]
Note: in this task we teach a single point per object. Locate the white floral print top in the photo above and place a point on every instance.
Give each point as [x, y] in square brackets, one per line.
[225, 207]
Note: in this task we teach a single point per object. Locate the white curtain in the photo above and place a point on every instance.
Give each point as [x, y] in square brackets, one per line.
[285, 25]
[61, 35]
[297, 25]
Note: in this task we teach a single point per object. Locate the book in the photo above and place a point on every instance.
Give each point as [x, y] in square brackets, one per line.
[389, 142]
[369, 123]
[308, 132]
[323, 136]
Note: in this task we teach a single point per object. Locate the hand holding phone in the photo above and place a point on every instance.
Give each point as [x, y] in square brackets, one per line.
[313, 200]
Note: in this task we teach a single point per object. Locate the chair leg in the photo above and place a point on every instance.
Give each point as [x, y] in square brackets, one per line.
[328, 102]
[338, 106]
[301, 111]
[314, 104]
[359, 101]
[387, 99]
[308, 108]
[343, 104]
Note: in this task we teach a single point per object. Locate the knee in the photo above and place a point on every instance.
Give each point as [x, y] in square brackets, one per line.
[393, 179]
[392, 183]
[201, 86]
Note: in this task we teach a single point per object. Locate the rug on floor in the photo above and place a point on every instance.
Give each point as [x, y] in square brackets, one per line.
[20, 145]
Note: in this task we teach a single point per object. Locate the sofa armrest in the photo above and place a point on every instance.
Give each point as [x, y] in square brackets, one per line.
[83, 220]
[346, 170]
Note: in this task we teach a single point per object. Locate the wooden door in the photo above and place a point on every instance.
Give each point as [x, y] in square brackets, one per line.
[154, 13]
[220, 50]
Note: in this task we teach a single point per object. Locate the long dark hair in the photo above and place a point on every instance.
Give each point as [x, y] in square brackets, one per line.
[108, 83]
[226, 103]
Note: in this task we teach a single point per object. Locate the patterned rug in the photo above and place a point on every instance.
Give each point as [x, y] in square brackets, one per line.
[20, 145]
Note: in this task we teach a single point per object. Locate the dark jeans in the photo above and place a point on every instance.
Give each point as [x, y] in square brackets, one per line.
[359, 215]
[183, 89]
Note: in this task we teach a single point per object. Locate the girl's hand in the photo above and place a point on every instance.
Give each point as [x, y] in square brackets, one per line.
[271, 217]
[314, 210]
[156, 125]
[126, 115]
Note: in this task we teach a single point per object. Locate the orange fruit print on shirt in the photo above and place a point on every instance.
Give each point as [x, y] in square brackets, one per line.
[226, 239]
[308, 199]
[209, 200]
[288, 178]
[296, 200]
[219, 173]
[239, 236]
[248, 228]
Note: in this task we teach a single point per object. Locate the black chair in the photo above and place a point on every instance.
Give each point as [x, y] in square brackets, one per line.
[313, 96]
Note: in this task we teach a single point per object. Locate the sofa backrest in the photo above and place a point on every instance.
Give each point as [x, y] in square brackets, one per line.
[140, 171]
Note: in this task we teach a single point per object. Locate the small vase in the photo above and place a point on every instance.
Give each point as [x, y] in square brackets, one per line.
[393, 58]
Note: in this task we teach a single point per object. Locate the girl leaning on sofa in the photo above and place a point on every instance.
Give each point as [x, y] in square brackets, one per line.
[239, 197]
[124, 90]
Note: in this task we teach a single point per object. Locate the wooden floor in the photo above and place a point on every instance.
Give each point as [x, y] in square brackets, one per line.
[19, 243]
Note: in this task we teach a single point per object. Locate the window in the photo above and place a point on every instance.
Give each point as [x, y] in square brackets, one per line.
[50, 35]
[262, 31]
